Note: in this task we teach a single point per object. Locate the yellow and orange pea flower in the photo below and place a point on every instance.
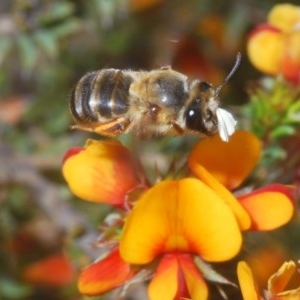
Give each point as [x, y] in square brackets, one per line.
[277, 283]
[175, 221]
[55, 270]
[274, 47]
[102, 171]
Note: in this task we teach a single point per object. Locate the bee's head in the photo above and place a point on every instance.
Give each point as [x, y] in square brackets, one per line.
[200, 115]
[203, 113]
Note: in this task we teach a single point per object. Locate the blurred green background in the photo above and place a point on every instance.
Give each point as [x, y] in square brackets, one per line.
[45, 47]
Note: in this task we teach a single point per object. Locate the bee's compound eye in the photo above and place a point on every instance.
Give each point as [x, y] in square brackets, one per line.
[194, 120]
[199, 119]
[191, 112]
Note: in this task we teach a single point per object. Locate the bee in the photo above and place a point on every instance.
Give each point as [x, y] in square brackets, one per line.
[160, 102]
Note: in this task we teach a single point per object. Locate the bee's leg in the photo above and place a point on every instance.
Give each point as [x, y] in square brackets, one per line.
[81, 127]
[114, 127]
[178, 130]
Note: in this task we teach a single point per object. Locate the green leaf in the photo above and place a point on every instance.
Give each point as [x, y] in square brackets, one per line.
[14, 290]
[116, 43]
[28, 52]
[66, 28]
[295, 107]
[293, 113]
[282, 131]
[46, 40]
[57, 12]
[272, 154]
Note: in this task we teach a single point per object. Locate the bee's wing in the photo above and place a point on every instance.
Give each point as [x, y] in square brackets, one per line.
[226, 124]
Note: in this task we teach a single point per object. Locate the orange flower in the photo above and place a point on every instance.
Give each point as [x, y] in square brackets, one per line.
[171, 223]
[265, 47]
[181, 215]
[103, 171]
[269, 207]
[55, 270]
[104, 275]
[274, 48]
[222, 165]
[176, 220]
[276, 284]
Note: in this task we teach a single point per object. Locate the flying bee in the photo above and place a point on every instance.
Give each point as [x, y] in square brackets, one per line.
[149, 103]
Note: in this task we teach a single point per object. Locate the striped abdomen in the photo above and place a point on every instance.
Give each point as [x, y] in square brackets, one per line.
[100, 96]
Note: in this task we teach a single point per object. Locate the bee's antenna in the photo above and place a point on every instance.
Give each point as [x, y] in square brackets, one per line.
[233, 70]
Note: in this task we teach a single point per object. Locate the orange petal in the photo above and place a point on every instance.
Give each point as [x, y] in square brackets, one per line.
[190, 59]
[265, 48]
[196, 285]
[240, 213]
[247, 283]
[104, 275]
[177, 278]
[230, 163]
[290, 65]
[291, 69]
[103, 172]
[183, 215]
[269, 207]
[164, 284]
[284, 16]
[141, 5]
[293, 44]
[55, 270]
[280, 279]
[212, 26]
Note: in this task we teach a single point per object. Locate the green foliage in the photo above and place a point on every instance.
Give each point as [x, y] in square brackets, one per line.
[273, 114]
[9, 289]
[38, 31]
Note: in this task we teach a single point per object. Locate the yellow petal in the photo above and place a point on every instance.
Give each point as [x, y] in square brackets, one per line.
[265, 48]
[230, 163]
[103, 172]
[247, 283]
[177, 277]
[280, 279]
[183, 215]
[269, 207]
[284, 16]
[164, 284]
[240, 213]
[196, 285]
